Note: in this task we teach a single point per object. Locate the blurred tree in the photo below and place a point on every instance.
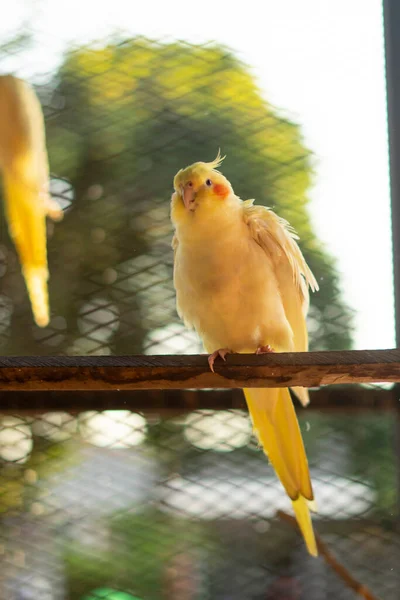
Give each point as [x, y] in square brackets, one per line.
[144, 549]
[132, 114]
[371, 440]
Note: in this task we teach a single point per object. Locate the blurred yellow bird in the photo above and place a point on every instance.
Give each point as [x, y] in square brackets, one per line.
[25, 171]
[242, 283]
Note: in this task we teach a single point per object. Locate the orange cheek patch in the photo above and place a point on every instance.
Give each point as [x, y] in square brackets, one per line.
[221, 190]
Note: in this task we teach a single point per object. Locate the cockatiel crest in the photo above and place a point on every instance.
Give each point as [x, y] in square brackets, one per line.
[200, 167]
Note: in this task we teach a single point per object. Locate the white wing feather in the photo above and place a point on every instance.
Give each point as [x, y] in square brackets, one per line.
[278, 240]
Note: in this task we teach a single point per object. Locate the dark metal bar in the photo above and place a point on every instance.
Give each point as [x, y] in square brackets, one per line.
[391, 14]
[392, 51]
[89, 373]
[351, 398]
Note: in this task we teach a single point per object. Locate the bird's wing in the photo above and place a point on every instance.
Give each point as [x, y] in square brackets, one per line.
[278, 240]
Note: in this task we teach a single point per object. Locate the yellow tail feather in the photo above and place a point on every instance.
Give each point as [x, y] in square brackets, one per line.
[27, 226]
[36, 282]
[24, 165]
[302, 511]
[275, 423]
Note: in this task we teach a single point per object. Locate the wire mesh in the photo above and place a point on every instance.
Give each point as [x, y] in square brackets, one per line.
[186, 507]
[102, 504]
[122, 118]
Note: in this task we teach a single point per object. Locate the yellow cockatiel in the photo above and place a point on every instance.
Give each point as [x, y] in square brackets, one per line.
[242, 283]
[25, 171]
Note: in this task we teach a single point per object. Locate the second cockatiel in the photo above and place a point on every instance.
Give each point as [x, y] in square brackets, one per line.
[25, 174]
[242, 283]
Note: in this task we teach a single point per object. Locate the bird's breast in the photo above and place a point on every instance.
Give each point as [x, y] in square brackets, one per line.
[227, 290]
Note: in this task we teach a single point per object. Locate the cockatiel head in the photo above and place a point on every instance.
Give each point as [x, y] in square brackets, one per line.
[201, 194]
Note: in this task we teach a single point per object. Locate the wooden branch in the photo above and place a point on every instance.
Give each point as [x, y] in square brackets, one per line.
[340, 569]
[309, 369]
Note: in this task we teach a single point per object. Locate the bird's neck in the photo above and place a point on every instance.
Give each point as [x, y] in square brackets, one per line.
[211, 227]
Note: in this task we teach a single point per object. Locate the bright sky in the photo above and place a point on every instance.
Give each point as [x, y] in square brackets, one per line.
[322, 62]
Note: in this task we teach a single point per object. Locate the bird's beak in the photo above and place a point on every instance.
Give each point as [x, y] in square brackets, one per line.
[188, 195]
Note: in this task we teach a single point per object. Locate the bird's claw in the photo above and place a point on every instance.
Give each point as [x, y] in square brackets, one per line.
[264, 349]
[222, 352]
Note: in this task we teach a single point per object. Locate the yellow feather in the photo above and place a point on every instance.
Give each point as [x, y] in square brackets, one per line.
[276, 426]
[302, 511]
[277, 238]
[217, 161]
[28, 231]
[242, 282]
[24, 164]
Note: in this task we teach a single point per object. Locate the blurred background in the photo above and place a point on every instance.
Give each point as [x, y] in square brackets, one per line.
[122, 505]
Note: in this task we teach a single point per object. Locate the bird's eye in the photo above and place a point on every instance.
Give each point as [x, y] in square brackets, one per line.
[190, 184]
[209, 182]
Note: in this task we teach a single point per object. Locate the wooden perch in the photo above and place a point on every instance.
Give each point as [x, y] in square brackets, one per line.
[92, 373]
[339, 569]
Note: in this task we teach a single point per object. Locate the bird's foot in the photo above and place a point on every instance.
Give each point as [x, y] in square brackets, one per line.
[264, 349]
[222, 352]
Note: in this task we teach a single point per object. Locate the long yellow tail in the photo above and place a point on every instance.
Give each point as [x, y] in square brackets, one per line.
[275, 423]
[24, 165]
[27, 228]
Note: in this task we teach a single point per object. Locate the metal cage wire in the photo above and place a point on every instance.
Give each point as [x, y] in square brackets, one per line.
[155, 505]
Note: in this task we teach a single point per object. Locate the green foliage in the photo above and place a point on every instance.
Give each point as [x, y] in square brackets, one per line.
[109, 594]
[372, 456]
[17, 491]
[142, 547]
[362, 445]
